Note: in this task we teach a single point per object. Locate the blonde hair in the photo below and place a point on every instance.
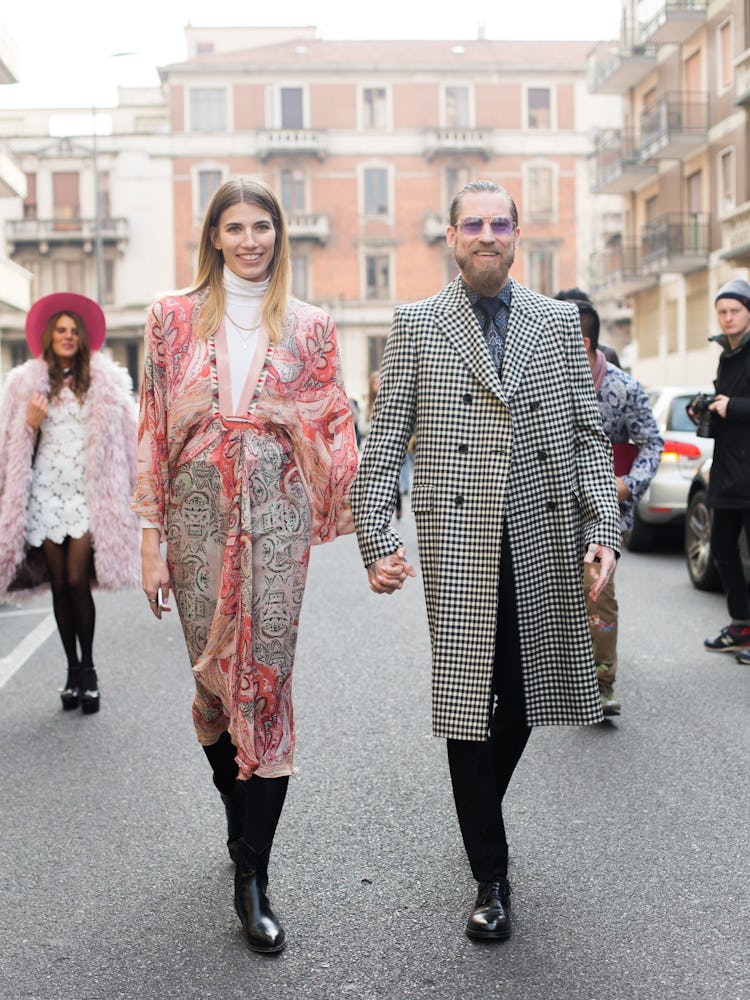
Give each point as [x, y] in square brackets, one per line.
[248, 191]
[81, 363]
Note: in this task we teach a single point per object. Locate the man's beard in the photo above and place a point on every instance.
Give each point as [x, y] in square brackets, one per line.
[487, 280]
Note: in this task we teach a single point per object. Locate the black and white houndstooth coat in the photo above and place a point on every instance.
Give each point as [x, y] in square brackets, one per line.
[528, 452]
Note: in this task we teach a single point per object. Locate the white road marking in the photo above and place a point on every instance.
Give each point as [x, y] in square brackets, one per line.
[26, 648]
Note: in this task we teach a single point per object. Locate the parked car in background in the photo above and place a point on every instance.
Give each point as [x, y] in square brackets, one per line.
[664, 505]
[700, 564]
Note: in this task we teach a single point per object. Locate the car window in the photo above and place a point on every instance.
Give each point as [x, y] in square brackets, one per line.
[678, 418]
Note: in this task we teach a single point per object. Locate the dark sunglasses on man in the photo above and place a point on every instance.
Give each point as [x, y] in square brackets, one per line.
[472, 225]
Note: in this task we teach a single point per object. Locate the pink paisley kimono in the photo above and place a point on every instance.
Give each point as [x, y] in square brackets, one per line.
[239, 498]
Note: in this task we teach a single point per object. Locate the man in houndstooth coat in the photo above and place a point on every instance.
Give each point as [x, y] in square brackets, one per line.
[513, 489]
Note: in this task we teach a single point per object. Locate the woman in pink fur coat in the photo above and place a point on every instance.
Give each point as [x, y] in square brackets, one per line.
[67, 469]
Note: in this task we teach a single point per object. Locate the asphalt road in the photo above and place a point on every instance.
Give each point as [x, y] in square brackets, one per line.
[629, 840]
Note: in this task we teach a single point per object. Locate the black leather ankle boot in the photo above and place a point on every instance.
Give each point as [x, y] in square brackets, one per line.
[264, 932]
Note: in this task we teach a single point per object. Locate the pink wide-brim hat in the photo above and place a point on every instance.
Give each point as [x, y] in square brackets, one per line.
[65, 302]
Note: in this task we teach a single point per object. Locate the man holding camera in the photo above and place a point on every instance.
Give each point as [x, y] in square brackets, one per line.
[729, 487]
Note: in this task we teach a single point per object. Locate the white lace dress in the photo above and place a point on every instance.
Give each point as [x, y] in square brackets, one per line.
[57, 500]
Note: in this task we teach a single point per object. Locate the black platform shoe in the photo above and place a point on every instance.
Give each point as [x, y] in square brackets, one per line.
[70, 696]
[490, 918]
[90, 698]
[262, 928]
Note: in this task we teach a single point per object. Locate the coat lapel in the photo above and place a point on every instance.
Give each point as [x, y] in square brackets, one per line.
[522, 338]
[455, 319]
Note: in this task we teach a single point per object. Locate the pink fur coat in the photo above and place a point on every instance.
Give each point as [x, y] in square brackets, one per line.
[110, 478]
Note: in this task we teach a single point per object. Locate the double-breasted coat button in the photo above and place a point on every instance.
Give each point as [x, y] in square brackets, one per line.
[468, 398]
[542, 456]
[534, 405]
[463, 449]
[458, 501]
[551, 505]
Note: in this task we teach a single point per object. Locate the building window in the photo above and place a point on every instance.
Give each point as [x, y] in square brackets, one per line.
[725, 55]
[376, 191]
[292, 191]
[66, 200]
[457, 113]
[209, 182]
[377, 276]
[727, 197]
[299, 276]
[68, 274]
[540, 193]
[540, 107]
[292, 112]
[694, 185]
[374, 108]
[108, 281]
[29, 204]
[456, 178]
[542, 271]
[208, 109]
[105, 199]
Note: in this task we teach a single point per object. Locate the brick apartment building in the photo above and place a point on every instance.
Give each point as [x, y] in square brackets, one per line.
[680, 162]
[365, 142]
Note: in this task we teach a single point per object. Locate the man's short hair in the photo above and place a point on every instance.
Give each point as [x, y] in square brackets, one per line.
[478, 187]
[590, 323]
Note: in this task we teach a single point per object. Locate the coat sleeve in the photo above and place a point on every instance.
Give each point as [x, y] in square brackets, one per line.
[393, 422]
[152, 456]
[643, 432]
[330, 453]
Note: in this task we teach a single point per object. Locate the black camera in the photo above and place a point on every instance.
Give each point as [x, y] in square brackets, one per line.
[699, 413]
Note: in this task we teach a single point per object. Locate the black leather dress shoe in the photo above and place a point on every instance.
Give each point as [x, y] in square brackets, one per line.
[490, 918]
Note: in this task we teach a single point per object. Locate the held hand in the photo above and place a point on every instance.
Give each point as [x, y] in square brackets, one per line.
[388, 575]
[36, 410]
[719, 405]
[607, 560]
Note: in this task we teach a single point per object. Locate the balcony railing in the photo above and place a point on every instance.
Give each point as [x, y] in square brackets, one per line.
[464, 141]
[674, 125]
[676, 243]
[618, 166]
[294, 141]
[46, 232]
[674, 22]
[742, 79]
[308, 226]
[616, 66]
[619, 271]
[735, 236]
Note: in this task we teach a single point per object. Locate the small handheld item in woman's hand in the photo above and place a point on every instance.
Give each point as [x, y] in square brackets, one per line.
[160, 605]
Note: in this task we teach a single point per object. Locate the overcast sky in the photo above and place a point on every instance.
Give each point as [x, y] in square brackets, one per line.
[66, 48]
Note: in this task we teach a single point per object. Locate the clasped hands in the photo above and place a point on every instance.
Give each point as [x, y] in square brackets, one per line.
[387, 575]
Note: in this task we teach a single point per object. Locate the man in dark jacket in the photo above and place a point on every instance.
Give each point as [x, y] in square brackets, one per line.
[729, 488]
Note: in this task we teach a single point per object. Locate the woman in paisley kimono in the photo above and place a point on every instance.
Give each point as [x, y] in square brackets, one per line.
[246, 456]
[67, 471]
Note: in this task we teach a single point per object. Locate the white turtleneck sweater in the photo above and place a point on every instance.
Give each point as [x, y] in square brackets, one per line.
[242, 308]
[242, 302]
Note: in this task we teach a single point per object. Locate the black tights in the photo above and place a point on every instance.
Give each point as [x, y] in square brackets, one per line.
[263, 797]
[69, 565]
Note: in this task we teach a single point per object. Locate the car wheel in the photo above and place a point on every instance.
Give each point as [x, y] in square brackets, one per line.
[700, 563]
[641, 537]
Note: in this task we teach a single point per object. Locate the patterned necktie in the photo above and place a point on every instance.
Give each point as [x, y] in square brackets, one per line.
[495, 325]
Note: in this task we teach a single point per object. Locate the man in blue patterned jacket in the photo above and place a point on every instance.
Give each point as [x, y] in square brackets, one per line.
[629, 422]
